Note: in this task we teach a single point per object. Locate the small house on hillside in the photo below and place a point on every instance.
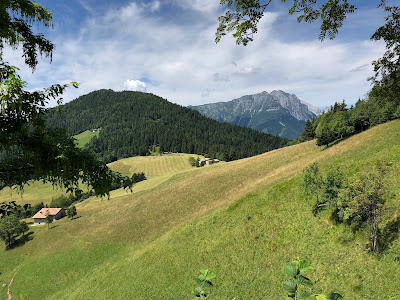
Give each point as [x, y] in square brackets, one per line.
[208, 161]
[55, 213]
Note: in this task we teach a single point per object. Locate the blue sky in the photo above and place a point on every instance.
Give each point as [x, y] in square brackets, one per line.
[166, 47]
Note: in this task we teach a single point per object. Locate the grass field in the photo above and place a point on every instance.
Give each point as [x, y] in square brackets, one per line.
[244, 220]
[158, 169]
[34, 193]
[85, 137]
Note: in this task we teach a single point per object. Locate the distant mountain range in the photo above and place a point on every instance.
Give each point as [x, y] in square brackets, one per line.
[278, 113]
[132, 122]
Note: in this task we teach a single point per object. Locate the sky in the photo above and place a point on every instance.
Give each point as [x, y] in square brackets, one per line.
[167, 47]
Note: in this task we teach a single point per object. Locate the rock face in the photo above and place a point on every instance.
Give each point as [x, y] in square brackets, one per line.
[277, 113]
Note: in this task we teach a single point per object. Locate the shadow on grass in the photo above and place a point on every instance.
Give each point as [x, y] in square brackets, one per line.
[54, 226]
[21, 241]
[390, 233]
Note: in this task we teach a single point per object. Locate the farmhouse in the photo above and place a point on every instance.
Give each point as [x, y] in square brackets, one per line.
[208, 161]
[55, 213]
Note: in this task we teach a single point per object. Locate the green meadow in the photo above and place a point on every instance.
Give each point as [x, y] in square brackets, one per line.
[244, 220]
[85, 137]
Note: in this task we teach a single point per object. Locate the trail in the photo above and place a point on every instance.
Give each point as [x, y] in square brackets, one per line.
[8, 288]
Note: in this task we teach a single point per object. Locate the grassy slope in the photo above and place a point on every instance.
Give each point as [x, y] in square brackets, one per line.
[244, 220]
[84, 137]
[157, 168]
[34, 193]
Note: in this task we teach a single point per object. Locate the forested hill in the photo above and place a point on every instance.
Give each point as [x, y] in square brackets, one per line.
[132, 122]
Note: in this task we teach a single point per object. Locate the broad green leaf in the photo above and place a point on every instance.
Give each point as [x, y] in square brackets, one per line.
[204, 271]
[290, 286]
[304, 265]
[291, 269]
[207, 284]
[301, 280]
[210, 275]
[198, 280]
[302, 295]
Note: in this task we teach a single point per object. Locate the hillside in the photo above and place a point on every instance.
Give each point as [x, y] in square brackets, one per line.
[277, 113]
[132, 122]
[156, 168]
[244, 220]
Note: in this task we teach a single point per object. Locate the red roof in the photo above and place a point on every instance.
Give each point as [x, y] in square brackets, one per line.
[41, 214]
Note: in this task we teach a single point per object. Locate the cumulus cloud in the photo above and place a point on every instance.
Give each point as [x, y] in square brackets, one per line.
[180, 55]
[135, 85]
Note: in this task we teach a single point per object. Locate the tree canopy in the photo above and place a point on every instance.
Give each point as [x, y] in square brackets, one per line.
[16, 19]
[244, 16]
[28, 149]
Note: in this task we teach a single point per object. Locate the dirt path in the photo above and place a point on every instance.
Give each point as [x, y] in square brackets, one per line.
[8, 288]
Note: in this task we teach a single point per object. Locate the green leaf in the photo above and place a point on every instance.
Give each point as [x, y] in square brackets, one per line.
[304, 265]
[320, 297]
[197, 291]
[210, 275]
[290, 286]
[207, 284]
[302, 295]
[301, 280]
[291, 269]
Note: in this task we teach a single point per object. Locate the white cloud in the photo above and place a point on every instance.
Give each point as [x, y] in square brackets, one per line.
[250, 69]
[182, 58]
[199, 5]
[135, 85]
[155, 5]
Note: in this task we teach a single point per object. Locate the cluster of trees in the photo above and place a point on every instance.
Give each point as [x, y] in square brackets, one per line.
[359, 200]
[340, 122]
[195, 162]
[133, 122]
[11, 227]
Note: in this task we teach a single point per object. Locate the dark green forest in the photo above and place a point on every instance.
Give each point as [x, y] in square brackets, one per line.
[132, 122]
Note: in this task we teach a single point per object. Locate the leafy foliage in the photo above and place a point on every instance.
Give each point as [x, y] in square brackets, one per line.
[10, 228]
[340, 122]
[358, 200]
[17, 17]
[205, 284]
[388, 67]
[71, 211]
[297, 281]
[132, 122]
[48, 219]
[363, 201]
[244, 17]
